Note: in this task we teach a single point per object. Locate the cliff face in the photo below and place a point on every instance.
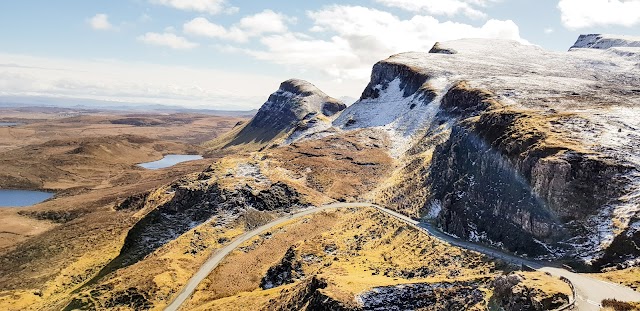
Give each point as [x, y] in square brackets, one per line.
[512, 145]
[295, 107]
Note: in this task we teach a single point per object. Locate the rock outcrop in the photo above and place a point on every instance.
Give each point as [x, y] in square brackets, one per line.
[298, 106]
[287, 271]
[424, 296]
[513, 293]
[308, 295]
[192, 204]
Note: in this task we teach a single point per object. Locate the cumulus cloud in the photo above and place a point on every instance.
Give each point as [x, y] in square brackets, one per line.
[266, 21]
[167, 39]
[205, 6]
[358, 37]
[470, 8]
[100, 22]
[578, 14]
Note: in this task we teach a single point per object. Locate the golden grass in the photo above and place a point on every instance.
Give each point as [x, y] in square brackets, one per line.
[628, 277]
[163, 273]
[546, 284]
[344, 166]
[242, 271]
[353, 249]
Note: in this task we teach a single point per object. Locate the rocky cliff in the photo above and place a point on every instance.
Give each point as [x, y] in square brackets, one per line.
[295, 107]
[512, 145]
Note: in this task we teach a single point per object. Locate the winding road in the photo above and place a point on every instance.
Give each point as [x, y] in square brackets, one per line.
[590, 291]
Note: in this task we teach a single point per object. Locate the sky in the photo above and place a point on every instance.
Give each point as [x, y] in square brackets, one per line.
[231, 54]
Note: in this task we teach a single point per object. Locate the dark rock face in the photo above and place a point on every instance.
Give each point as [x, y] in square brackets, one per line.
[294, 102]
[194, 203]
[495, 176]
[307, 295]
[134, 202]
[479, 190]
[286, 272]
[624, 247]
[498, 175]
[331, 108]
[511, 295]
[423, 296]
[132, 298]
[410, 81]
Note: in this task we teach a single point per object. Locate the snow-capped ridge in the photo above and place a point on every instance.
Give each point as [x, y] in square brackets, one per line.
[605, 41]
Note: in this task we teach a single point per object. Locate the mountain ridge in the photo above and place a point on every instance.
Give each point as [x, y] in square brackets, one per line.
[554, 128]
[296, 106]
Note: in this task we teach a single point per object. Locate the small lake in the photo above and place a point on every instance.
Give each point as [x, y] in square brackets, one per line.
[170, 160]
[21, 198]
[8, 124]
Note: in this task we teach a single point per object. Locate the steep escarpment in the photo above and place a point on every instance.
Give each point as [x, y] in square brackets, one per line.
[521, 148]
[295, 107]
[503, 165]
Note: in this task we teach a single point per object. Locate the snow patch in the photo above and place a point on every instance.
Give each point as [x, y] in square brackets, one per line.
[600, 41]
[434, 209]
[402, 118]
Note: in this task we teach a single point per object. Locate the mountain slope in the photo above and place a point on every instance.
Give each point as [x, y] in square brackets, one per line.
[512, 145]
[296, 106]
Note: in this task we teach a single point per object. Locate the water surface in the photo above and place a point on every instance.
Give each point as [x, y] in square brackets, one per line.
[170, 160]
[8, 124]
[21, 198]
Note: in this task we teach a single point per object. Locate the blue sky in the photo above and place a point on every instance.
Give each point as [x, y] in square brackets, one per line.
[231, 54]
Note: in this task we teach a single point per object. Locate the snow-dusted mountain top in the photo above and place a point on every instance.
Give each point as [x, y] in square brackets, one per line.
[603, 41]
[303, 98]
[296, 106]
[585, 100]
[601, 85]
[515, 70]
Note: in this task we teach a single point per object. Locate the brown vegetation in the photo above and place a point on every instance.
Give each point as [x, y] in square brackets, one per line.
[50, 249]
[351, 250]
[343, 166]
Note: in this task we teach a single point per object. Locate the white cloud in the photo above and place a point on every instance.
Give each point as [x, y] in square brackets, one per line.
[200, 26]
[359, 37]
[577, 14]
[549, 30]
[266, 21]
[205, 6]
[249, 26]
[167, 39]
[100, 22]
[131, 82]
[469, 8]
